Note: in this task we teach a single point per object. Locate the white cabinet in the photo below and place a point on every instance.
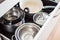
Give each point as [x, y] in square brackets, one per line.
[47, 28]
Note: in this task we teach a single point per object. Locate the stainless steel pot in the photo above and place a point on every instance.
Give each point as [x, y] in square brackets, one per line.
[12, 14]
[40, 18]
[26, 31]
[13, 18]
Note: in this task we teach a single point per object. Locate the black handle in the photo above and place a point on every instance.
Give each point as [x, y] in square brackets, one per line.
[26, 10]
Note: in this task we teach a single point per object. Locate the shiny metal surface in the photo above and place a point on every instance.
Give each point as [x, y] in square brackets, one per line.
[12, 14]
[12, 27]
[40, 18]
[26, 31]
[13, 18]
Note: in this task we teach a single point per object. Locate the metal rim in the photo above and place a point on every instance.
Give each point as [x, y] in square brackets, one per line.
[36, 14]
[19, 28]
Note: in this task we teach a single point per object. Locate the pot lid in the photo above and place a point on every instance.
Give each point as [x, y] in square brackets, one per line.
[33, 5]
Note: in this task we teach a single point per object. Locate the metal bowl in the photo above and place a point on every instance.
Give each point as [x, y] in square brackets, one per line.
[26, 31]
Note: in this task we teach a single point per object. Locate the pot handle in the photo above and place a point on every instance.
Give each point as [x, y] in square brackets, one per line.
[12, 38]
[26, 10]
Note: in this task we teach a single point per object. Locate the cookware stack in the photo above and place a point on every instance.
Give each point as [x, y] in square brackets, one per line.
[24, 24]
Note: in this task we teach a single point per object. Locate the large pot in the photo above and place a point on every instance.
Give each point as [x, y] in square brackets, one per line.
[13, 18]
[26, 31]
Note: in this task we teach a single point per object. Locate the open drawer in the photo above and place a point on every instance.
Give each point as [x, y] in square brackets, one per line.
[48, 31]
